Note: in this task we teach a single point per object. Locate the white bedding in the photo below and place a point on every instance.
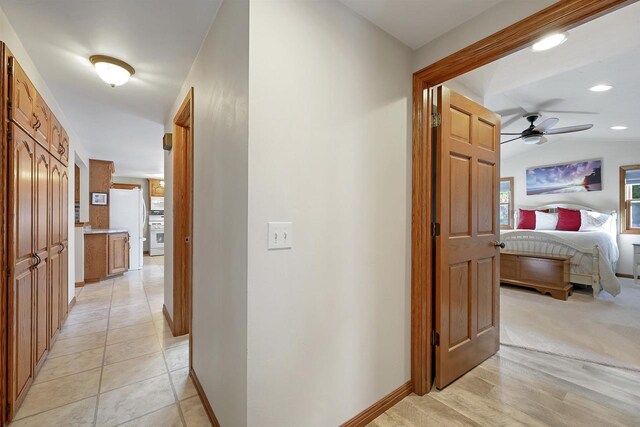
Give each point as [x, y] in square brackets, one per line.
[581, 259]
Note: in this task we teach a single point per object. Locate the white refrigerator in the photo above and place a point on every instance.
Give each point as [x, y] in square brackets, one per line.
[128, 211]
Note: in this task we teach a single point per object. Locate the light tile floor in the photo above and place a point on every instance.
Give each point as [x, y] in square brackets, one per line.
[116, 362]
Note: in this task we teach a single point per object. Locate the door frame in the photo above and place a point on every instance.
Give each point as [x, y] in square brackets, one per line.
[183, 217]
[560, 16]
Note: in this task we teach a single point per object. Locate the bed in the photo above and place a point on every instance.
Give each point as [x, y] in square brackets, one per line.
[593, 254]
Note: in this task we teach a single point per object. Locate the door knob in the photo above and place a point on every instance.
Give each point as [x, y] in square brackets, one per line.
[499, 244]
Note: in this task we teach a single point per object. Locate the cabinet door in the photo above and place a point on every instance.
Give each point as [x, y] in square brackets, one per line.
[23, 99]
[156, 188]
[65, 147]
[21, 291]
[64, 236]
[42, 125]
[55, 233]
[118, 253]
[42, 192]
[55, 138]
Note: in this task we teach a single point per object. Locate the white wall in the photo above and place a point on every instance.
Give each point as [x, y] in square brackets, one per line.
[220, 80]
[144, 184]
[329, 144]
[490, 21]
[10, 38]
[614, 155]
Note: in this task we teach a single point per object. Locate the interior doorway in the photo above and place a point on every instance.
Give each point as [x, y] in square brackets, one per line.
[182, 215]
[426, 311]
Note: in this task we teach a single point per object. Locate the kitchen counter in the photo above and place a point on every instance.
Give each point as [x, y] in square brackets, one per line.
[105, 231]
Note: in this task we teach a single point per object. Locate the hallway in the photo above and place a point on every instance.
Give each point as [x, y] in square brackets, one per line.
[116, 362]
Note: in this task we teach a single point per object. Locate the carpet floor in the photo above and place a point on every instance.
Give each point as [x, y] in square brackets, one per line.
[603, 330]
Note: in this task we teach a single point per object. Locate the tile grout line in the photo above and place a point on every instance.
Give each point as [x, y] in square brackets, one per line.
[104, 352]
[164, 358]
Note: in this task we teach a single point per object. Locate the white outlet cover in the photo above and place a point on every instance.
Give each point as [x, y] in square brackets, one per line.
[280, 235]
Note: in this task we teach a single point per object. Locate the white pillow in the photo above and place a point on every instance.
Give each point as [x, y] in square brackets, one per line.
[594, 221]
[546, 221]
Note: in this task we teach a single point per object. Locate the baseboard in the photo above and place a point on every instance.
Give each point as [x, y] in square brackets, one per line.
[378, 408]
[80, 284]
[71, 304]
[626, 276]
[203, 398]
[167, 317]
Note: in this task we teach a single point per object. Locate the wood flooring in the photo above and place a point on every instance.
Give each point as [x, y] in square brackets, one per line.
[519, 387]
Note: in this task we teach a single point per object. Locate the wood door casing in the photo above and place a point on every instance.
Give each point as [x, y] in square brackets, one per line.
[467, 261]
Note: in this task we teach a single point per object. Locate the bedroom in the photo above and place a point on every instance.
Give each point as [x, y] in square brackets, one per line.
[583, 80]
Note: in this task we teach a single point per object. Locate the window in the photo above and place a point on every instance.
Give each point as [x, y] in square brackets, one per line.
[630, 199]
[506, 203]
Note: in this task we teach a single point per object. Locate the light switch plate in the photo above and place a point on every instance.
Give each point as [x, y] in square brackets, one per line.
[280, 235]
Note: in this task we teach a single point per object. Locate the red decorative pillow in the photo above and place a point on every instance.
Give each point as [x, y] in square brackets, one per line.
[568, 220]
[526, 219]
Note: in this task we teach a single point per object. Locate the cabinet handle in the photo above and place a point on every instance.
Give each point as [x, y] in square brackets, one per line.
[62, 247]
[34, 256]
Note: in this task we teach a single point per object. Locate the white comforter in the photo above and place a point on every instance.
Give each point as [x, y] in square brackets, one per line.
[585, 241]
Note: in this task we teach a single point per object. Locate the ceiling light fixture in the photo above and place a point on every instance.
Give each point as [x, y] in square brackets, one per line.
[619, 127]
[532, 139]
[600, 88]
[112, 70]
[549, 42]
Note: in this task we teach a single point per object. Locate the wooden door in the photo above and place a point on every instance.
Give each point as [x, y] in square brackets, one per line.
[21, 289]
[64, 241]
[55, 233]
[118, 253]
[41, 244]
[467, 270]
[42, 125]
[23, 98]
[55, 138]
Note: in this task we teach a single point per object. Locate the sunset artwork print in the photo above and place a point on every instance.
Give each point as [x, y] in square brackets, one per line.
[565, 178]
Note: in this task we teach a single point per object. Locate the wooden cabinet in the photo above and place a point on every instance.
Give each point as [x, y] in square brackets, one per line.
[38, 233]
[64, 154]
[55, 138]
[156, 187]
[118, 253]
[106, 254]
[545, 273]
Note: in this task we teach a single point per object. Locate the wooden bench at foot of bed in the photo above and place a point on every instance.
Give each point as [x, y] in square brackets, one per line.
[548, 274]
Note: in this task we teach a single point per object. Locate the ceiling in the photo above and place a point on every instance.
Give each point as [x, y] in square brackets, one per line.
[159, 38]
[417, 22]
[556, 82]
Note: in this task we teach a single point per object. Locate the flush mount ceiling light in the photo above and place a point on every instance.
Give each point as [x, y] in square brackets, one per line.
[600, 88]
[619, 127]
[112, 70]
[549, 42]
[533, 139]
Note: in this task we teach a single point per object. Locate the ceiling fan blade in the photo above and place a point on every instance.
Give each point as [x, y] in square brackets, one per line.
[509, 140]
[512, 120]
[511, 133]
[542, 141]
[547, 124]
[568, 129]
[569, 112]
[510, 111]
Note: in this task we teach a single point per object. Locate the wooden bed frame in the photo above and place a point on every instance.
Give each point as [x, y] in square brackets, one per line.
[562, 247]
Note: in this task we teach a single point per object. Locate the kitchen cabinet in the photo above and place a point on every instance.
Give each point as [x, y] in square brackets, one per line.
[106, 254]
[156, 187]
[38, 232]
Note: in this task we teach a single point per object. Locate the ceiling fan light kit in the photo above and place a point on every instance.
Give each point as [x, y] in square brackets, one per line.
[549, 42]
[112, 70]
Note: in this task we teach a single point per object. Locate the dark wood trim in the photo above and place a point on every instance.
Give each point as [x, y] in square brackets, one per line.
[80, 284]
[203, 398]
[378, 408]
[560, 16]
[167, 317]
[625, 275]
[623, 218]
[118, 186]
[182, 159]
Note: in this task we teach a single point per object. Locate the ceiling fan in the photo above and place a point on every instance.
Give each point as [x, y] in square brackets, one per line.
[535, 134]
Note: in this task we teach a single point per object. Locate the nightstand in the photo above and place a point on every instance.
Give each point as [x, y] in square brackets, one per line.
[636, 260]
